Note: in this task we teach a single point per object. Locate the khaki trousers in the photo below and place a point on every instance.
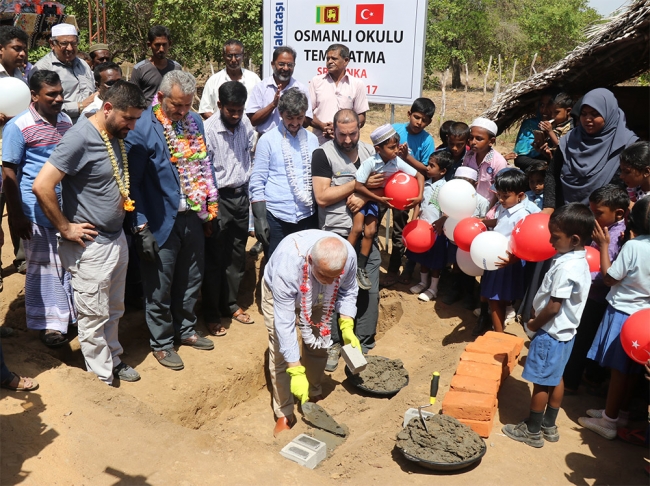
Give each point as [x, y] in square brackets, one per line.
[314, 361]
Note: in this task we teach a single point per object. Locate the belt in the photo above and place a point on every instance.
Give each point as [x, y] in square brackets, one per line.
[233, 191]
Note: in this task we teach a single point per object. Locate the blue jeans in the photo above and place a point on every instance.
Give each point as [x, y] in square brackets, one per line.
[280, 229]
[5, 375]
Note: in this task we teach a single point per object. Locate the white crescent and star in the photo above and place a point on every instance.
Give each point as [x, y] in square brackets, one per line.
[363, 14]
[635, 344]
[403, 181]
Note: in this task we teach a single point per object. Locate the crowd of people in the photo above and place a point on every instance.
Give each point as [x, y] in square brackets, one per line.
[116, 187]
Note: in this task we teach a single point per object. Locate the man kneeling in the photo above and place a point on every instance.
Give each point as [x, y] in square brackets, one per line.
[311, 272]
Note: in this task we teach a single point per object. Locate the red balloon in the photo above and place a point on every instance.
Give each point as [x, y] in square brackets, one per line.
[530, 238]
[418, 236]
[593, 258]
[466, 230]
[635, 336]
[401, 186]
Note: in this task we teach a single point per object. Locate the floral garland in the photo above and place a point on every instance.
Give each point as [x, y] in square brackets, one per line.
[190, 156]
[305, 323]
[304, 193]
[122, 184]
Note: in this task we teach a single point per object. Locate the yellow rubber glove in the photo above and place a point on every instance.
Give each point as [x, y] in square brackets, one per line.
[299, 383]
[347, 332]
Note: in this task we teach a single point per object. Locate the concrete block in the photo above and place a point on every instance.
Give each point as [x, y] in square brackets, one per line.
[470, 406]
[354, 358]
[474, 384]
[413, 413]
[315, 445]
[482, 428]
[489, 372]
[299, 454]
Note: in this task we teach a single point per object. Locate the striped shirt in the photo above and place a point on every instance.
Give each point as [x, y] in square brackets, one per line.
[28, 142]
[230, 152]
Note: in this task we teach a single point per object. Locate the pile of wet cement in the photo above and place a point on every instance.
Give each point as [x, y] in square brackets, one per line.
[449, 441]
[382, 375]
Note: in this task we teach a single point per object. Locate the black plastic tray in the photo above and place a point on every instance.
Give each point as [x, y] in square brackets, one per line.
[445, 466]
[381, 393]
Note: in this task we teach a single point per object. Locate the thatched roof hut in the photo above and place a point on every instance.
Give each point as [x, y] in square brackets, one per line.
[615, 52]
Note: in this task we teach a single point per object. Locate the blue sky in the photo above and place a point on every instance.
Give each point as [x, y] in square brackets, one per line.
[605, 7]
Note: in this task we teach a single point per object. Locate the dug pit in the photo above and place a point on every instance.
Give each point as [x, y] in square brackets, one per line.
[448, 441]
[382, 375]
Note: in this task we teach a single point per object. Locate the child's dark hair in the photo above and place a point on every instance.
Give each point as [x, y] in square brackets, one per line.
[394, 138]
[424, 106]
[574, 219]
[445, 129]
[563, 100]
[611, 196]
[443, 158]
[637, 156]
[537, 168]
[639, 220]
[512, 180]
[459, 129]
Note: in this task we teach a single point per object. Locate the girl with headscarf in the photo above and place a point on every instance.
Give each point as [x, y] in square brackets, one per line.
[588, 157]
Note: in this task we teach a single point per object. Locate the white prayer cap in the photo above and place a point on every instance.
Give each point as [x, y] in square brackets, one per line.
[467, 173]
[59, 30]
[489, 125]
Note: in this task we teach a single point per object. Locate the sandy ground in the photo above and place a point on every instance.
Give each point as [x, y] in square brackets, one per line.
[212, 422]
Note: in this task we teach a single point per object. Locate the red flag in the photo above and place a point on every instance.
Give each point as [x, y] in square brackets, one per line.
[370, 13]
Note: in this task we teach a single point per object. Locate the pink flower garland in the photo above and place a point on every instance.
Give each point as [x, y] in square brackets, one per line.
[306, 323]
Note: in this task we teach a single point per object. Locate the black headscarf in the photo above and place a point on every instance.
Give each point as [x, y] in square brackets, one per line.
[591, 161]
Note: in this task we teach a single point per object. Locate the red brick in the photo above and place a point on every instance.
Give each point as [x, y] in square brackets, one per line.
[480, 370]
[472, 406]
[482, 428]
[474, 384]
[493, 346]
[517, 341]
[500, 359]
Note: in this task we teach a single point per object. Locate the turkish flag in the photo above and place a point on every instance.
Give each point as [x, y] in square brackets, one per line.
[370, 13]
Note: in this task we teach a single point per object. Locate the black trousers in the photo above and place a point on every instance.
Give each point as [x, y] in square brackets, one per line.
[400, 218]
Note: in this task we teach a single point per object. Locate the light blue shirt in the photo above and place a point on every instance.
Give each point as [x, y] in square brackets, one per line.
[376, 164]
[269, 181]
[421, 145]
[482, 207]
[429, 208]
[538, 199]
[508, 218]
[632, 270]
[284, 276]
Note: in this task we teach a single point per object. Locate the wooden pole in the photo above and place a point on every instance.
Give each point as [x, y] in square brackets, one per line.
[444, 94]
[496, 92]
[211, 68]
[500, 81]
[514, 71]
[487, 73]
[532, 65]
[466, 86]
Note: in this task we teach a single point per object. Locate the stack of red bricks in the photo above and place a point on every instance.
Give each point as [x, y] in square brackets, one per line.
[472, 397]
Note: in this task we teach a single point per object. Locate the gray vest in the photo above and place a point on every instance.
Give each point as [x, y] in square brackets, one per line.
[336, 217]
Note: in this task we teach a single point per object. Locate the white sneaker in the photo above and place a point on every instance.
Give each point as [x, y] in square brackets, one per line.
[510, 313]
[623, 417]
[427, 295]
[601, 426]
[416, 289]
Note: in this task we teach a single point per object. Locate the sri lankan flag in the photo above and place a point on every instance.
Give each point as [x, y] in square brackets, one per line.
[328, 14]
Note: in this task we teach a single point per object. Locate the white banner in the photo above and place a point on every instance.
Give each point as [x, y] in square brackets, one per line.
[386, 42]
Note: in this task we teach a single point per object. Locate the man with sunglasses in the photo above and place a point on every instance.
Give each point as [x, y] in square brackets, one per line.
[262, 106]
[76, 76]
[233, 56]
[106, 75]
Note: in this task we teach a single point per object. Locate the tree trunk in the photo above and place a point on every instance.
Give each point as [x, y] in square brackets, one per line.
[456, 83]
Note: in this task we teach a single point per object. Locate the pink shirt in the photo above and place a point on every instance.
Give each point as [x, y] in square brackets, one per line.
[327, 98]
[492, 163]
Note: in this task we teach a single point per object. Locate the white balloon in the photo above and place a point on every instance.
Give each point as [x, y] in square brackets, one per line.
[449, 227]
[457, 199]
[465, 263]
[487, 248]
[15, 96]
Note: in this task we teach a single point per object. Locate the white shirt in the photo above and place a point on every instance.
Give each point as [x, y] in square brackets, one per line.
[568, 279]
[210, 94]
[507, 219]
[93, 107]
[632, 269]
[376, 164]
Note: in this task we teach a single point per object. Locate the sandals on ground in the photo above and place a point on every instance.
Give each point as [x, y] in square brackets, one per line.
[242, 317]
[216, 329]
[24, 383]
[52, 338]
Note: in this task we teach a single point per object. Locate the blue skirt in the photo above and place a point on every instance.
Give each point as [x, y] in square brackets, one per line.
[435, 258]
[370, 209]
[504, 283]
[451, 253]
[547, 358]
[607, 349]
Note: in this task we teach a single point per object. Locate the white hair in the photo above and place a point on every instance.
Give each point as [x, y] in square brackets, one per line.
[329, 252]
[183, 79]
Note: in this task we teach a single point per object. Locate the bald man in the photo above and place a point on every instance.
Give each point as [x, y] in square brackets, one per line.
[312, 273]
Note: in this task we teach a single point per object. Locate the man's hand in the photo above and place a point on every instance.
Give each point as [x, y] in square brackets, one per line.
[328, 130]
[79, 232]
[22, 226]
[3, 119]
[276, 98]
[346, 325]
[375, 181]
[146, 245]
[355, 202]
[262, 230]
[299, 383]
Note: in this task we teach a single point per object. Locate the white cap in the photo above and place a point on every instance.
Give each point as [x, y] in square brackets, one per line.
[59, 30]
[467, 173]
[489, 125]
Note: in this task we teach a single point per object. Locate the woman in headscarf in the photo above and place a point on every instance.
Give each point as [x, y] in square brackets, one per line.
[587, 158]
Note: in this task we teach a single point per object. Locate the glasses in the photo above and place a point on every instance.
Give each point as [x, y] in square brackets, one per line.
[65, 45]
[111, 83]
[289, 65]
[233, 56]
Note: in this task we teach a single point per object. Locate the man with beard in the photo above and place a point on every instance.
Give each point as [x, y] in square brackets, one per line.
[90, 163]
[29, 139]
[76, 76]
[263, 101]
[334, 166]
[230, 139]
[233, 56]
[148, 73]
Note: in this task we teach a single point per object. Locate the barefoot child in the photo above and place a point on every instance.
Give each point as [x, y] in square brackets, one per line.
[385, 161]
[558, 306]
[635, 170]
[629, 279]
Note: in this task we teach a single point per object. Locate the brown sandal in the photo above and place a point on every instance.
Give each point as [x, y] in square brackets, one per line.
[216, 329]
[28, 384]
[242, 317]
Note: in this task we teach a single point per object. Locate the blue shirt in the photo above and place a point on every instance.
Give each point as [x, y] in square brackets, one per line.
[538, 199]
[376, 164]
[28, 142]
[269, 181]
[421, 145]
[526, 137]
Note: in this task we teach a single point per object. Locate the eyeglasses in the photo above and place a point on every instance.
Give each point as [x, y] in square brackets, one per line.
[111, 83]
[65, 45]
[233, 56]
[289, 65]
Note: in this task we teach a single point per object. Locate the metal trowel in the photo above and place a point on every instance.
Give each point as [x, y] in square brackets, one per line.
[318, 417]
[433, 392]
